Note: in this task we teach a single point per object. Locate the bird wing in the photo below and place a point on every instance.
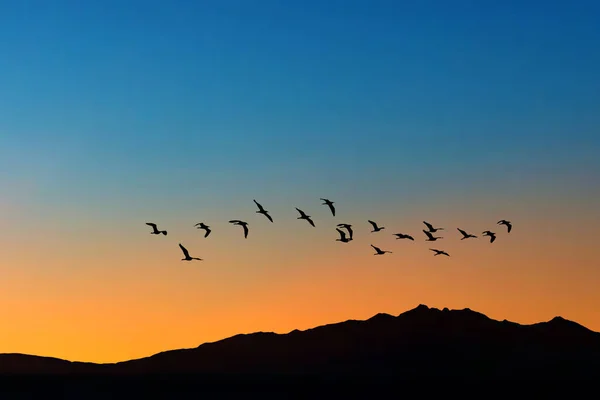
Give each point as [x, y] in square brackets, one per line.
[245, 230]
[373, 223]
[434, 250]
[492, 238]
[410, 237]
[509, 227]
[342, 234]
[310, 221]
[332, 208]
[350, 231]
[429, 235]
[260, 207]
[235, 221]
[268, 216]
[151, 224]
[301, 212]
[185, 252]
[199, 224]
[208, 231]
[463, 232]
[429, 226]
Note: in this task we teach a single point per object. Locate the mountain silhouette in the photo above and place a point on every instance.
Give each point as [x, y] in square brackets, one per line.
[422, 342]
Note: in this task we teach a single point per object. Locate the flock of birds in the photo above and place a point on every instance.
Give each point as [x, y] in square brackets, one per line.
[345, 237]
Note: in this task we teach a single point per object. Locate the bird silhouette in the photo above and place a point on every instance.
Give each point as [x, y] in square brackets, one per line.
[375, 227]
[507, 223]
[492, 235]
[187, 254]
[379, 251]
[262, 211]
[155, 230]
[403, 236]
[329, 203]
[348, 227]
[202, 225]
[440, 252]
[243, 224]
[304, 216]
[431, 228]
[430, 237]
[465, 234]
[343, 237]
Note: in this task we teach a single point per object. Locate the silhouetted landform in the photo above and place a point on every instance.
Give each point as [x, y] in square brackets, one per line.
[423, 342]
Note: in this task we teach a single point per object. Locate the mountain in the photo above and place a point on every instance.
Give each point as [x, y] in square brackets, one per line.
[422, 342]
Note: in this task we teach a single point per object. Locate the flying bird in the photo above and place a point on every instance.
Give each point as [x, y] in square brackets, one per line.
[329, 203]
[507, 223]
[439, 252]
[465, 234]
[375, 227]
[379, 251]
[343, 237]
[403, 236]
[187, 254]
[155, 230]
[262, 211]
[202, 225]
[304, 216]
[431, 228]
[348, 228]
[243, 224]
[492, 235]
[430, 237]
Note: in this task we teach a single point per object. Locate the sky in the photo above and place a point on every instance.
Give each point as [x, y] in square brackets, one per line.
[117, 113]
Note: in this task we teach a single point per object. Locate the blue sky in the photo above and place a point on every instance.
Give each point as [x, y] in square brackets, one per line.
[110, 100]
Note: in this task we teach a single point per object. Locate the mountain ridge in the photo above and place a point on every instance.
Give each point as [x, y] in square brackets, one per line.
[415, 341]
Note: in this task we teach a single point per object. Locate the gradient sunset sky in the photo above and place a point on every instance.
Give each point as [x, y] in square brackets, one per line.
[116, 113]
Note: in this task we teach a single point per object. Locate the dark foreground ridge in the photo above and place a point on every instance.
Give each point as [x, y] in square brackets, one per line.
[423, 342]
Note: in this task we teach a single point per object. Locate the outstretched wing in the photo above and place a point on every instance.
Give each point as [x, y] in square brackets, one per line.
[185, 252]
[245, 230]
[509, 226]
[332, 208]
[429, 226]
[258, 205]
[342, 234]
[151, 224]
[310, 221]
[463, 232]
[373, 223]
[301, 212]
[235, 221]
[208, 231]
[492, 238]
[429, 235]
[268, 216]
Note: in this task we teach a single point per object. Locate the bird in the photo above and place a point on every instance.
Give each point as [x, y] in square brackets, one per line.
[343, 237]
[507, 223]
[304, 216]
[329, 203]
[403, 236]
[492, 235]
[379, 251]
[262, 211]
[375, 227]
[243, 224]
[430, 237]
[440, 252]
[348, 228]
[202, 225]
[431, 228]
[187, 254]
[155, 230]
[465, 234]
